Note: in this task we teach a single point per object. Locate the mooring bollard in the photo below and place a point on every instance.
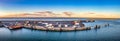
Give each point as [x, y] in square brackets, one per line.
[106, 25]
[97, 27]
[88, 28]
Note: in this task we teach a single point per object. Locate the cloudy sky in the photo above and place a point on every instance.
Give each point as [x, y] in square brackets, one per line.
[57, 6]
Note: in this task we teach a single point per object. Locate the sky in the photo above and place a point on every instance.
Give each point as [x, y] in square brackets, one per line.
[58, 6]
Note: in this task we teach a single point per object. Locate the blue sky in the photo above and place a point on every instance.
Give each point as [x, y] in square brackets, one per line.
[110, 6]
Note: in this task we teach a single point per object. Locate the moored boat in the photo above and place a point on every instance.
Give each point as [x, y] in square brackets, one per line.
[15, 27]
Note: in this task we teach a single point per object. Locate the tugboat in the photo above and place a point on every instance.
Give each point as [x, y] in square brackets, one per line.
[15, 26]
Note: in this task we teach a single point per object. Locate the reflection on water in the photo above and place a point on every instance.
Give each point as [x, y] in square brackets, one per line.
[105, 33]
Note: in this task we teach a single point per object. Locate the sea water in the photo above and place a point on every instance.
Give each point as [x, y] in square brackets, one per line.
[109, 33]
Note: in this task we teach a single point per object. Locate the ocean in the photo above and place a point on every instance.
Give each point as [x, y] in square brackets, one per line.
[109, 33]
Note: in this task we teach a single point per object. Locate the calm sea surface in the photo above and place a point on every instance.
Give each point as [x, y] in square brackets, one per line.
[110, 33]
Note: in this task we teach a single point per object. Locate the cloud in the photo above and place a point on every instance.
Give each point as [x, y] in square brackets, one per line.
[64, 14]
